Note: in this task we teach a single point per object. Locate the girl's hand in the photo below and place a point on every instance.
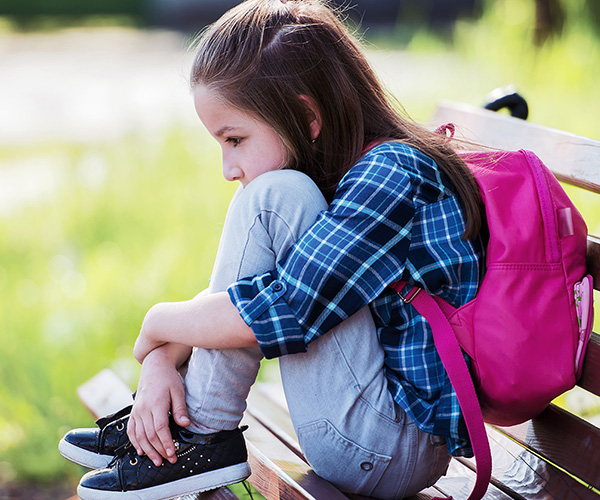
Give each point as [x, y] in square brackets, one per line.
[160, 391]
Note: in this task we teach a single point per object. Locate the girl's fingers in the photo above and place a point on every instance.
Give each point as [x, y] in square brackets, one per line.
[145, 439]
[178, 406]
[131, 434]
[163, 441]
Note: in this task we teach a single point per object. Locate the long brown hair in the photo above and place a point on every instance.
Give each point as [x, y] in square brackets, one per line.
[263, 55]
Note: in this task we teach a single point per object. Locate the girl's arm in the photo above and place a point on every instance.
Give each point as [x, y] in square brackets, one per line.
[207, 321]
[337, 267]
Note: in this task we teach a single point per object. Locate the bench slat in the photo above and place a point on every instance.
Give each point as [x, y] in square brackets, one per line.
[427, 494]
[579, 455]
[590, 380]
[517, 474]
[572, 158]
[529, 474]
[593, 259]
[104, 393]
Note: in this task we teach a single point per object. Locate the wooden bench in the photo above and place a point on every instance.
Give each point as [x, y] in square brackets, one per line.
[554, 456]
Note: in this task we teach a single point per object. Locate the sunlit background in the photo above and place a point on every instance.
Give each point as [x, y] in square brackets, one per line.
[111, 194]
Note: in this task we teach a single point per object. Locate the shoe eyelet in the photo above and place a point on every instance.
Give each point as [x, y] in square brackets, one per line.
[133, 462]
[120, 426]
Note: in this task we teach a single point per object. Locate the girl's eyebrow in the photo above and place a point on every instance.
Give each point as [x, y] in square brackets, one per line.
[224, 129]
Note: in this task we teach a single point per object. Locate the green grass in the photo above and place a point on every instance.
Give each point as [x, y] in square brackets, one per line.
[137, 221]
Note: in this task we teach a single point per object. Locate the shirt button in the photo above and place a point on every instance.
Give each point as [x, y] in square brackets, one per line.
[366, 466]
[277, 287]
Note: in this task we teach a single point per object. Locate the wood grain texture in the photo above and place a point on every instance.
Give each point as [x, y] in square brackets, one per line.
[528, 475]
[561, 438]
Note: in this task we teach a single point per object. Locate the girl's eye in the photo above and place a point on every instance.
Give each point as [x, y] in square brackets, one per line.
[234, 141]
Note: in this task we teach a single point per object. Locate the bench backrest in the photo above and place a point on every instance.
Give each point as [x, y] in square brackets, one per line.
[573, 159]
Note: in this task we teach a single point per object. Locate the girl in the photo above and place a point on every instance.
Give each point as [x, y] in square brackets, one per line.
[340, 196]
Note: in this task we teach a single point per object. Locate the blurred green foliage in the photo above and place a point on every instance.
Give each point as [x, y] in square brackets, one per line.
[137, 221]
[132, 223]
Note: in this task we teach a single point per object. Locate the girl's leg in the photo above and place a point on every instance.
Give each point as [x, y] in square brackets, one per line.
[348, 424]
[263, 222]
[255, 236]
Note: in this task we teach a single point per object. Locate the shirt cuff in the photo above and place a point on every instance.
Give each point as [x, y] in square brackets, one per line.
[260, 302]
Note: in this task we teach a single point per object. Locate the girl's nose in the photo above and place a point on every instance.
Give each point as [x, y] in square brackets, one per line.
[231, 172]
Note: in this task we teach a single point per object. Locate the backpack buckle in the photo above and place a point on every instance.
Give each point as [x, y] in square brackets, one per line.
[410, 295]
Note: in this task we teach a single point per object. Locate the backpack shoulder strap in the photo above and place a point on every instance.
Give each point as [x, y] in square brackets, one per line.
[458, 373]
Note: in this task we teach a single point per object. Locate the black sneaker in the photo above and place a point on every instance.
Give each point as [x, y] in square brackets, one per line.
[96, 448]
[204, 462]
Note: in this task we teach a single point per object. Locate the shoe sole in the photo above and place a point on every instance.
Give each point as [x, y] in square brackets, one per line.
[83, 457]
[195, 484]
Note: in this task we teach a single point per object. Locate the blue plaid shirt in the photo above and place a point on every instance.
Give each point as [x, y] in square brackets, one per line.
[393, 217]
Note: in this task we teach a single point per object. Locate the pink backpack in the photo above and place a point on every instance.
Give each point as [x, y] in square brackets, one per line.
[527, 329]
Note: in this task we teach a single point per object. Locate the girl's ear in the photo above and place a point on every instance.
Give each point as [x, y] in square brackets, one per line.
[314, 116]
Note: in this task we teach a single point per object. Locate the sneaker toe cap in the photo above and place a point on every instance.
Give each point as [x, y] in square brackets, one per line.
[83, 438]
[101, 479]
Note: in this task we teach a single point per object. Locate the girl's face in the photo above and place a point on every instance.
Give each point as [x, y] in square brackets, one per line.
[250, 146]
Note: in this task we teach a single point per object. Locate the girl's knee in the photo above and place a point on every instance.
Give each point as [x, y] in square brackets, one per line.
[282, 198]
[285, 188]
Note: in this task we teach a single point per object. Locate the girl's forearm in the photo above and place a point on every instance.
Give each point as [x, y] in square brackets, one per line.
[207, 321]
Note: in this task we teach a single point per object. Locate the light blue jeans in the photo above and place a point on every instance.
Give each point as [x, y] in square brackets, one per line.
[350, 429]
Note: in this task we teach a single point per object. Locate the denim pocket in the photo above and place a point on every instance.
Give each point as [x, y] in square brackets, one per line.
[342, 462]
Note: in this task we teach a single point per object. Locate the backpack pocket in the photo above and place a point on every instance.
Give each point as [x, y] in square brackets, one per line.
[584, 298]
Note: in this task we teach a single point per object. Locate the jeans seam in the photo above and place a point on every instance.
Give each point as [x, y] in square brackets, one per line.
[257, 219]
[411, 462]
[348, 365]
[392, 421]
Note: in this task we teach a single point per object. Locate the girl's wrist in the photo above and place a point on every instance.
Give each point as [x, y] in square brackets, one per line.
[160, 355]
[171, 354]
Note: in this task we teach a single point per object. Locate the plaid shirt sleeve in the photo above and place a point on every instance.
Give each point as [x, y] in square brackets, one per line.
[347, 258]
